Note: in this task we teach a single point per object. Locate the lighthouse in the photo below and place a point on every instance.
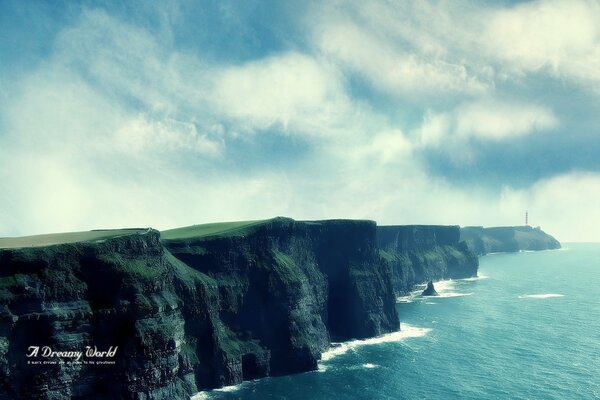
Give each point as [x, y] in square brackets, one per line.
[526, 219]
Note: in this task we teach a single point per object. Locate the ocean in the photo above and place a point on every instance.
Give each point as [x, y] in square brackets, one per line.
[527, 328]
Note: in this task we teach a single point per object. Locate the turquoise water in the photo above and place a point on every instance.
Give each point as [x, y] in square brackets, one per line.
[528, 328]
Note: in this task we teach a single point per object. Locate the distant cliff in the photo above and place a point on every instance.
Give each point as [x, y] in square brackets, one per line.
[507, 239]
[419, 253]
[201, 307]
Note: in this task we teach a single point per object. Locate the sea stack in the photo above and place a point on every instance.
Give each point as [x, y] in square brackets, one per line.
[429, 290]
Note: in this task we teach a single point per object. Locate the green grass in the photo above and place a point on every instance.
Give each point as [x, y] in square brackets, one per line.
[285, 267]
[187, 274]
[136, 269]
[62, 238]
[216, 229]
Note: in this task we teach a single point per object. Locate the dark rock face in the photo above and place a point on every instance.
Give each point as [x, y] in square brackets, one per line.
[189, 314]
[420, 253]
[118, 292]
[507, 239]
[429, 290]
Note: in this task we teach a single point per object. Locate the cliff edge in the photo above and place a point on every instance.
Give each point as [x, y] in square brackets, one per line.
[421, 253]
[507, 239]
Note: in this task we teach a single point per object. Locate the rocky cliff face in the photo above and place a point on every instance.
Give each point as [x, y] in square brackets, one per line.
[116, 292]
[507, 239]
[420, 253]
[284, 290]
[201, 309]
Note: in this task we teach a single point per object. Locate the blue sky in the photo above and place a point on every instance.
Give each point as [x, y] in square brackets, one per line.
[178, 112]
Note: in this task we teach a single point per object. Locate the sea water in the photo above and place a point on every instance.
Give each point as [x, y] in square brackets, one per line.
[527, 328]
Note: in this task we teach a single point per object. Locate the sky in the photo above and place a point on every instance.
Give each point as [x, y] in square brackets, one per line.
[165, 114]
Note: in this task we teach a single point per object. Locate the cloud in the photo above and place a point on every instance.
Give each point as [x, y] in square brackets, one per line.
[141, 134]
[559, 37]
[486, 120]
[442, 48]
[292, 91]
[121, 125]
[388, 67]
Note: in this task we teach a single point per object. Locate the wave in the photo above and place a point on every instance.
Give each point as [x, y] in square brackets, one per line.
[205, 395]
[370, 366]
[541, 296]
[200, 396]
[451, 294]
[231, 388]
[407, 331]
[474, 278]
[445, 288]
[405, 299]
[442, 286]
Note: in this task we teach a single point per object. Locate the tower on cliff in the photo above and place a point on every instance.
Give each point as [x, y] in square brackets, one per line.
[526, 219]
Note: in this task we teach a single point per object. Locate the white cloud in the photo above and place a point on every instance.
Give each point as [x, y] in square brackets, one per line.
[561, 37]
[128, 62]
[117, 128]
[290, 90]
[500, 121]
[389, 67]
[486, 120]
[382, 147]
[440, 48]
[140, 134]
[564, 205]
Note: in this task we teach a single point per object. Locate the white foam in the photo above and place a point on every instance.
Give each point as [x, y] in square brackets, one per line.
[231, 388]
[541, 296]
[407, 331]
[474, 278]
[446, 289]
[207, 395]
[441, 286]
[322, 368]
[405, 299]
[452, 294]
[200, 396]
[369, 366]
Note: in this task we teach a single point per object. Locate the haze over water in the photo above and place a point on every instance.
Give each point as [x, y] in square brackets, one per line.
[528, 328]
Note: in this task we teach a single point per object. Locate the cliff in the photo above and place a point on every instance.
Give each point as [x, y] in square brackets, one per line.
[507, 239]
[116, 290]
[201, 307]
[420, 253]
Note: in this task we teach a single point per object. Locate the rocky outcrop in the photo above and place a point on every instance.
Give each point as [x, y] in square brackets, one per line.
[429, 290]
[420, 253]
[507, 239]
[202, 308]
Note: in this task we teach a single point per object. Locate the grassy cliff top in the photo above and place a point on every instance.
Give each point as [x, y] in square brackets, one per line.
[239, 228]
[214, 229]
[62, 238]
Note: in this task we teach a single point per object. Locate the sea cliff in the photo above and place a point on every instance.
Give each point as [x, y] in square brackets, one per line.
[420, 253]
[191, 309]
[507, 239]
[204, 306]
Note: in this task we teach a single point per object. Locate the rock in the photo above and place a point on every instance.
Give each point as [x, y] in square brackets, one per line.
[430, 290]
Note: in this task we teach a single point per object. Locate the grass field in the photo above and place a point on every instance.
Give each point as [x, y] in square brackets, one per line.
[215, 229]
[61, 238]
